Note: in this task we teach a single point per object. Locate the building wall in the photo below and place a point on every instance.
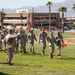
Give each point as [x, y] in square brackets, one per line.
[70, 20]
[67, 21]
[36, 19]
[15, 19]
[26, 10]
[42, 19]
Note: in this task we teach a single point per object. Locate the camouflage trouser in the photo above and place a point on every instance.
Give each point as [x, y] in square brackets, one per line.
[3, 46]
[32, 48]
[16, 48]
[59, 50]
[43, 47]
[22, 47]
[0, 46]
[9, 55]
[51, 51]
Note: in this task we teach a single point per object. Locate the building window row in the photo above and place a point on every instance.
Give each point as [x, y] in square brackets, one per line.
[37, 18]
[15, 18]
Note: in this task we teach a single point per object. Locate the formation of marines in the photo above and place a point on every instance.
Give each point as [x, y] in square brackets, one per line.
[13, 41]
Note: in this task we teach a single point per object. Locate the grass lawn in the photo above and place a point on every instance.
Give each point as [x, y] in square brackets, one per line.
[37, 64]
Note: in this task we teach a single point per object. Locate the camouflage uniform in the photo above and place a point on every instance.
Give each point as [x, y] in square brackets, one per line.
[0, 41]
[16, 43]
[3, 34]
[42, 40]
[59, 39]
[31, 37]
[51, 41]
[22, 39]
[9, 41]
[25, 40]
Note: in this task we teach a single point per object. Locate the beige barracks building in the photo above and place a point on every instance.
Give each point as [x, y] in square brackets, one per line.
[35, 18]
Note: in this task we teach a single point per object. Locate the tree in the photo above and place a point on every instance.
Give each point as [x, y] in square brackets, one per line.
[73, 6]
[21, 16]
[49, 4]
[62, 10]
[2, 15]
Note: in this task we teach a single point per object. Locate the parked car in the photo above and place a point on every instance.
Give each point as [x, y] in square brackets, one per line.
[65, 28]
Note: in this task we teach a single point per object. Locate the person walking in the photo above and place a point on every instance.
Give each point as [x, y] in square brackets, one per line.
[22, 39]
[42, 40]
[51, 41]
[3, 34]
[31, 38]
[15, 41]
[25, 40]
[59, 40]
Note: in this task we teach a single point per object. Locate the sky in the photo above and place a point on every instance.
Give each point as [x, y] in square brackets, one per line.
[21, 3]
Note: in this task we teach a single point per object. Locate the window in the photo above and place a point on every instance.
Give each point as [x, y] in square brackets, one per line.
[51, 17]
[37, 18]
[54, 17]
[47, 18]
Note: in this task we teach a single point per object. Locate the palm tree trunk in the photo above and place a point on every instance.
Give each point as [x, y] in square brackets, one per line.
[49, 18]
[2, 22]
[21, 16]
[63, 21]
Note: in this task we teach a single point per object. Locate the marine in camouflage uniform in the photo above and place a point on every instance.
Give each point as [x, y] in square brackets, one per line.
[22, 39]
[51, 41]
[0, 41]
[31, 37]
[15, 41]
[25, 40]
[3, 34]
[42, 40]
[59, 40]
[9, 41]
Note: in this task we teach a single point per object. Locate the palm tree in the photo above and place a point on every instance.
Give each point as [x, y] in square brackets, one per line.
[73, 6]
[2, 15]
[21, 16]
[49, 4]
[62, 10]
